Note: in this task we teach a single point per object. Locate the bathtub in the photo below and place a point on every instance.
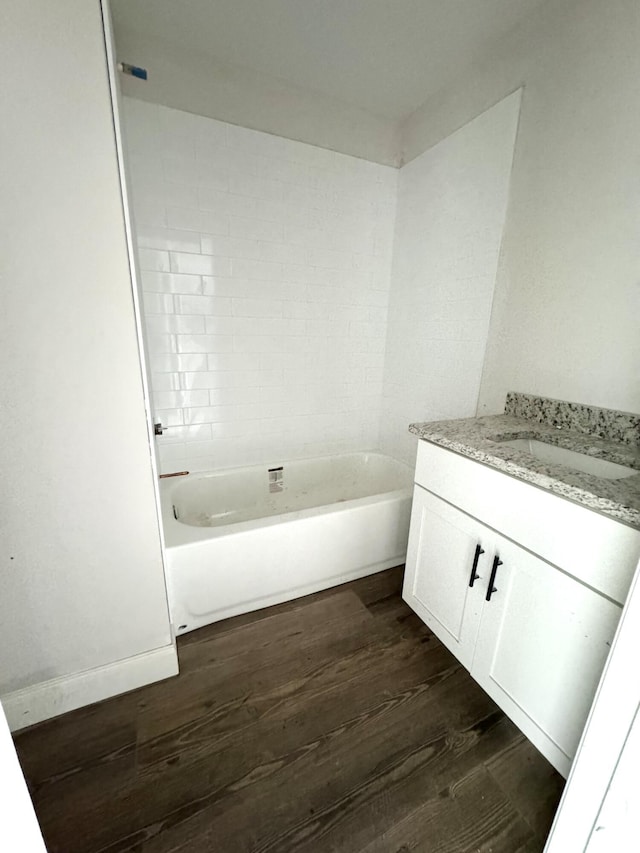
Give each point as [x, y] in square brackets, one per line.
[241, 539]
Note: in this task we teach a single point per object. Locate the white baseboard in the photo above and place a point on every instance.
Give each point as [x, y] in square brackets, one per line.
[59, 695]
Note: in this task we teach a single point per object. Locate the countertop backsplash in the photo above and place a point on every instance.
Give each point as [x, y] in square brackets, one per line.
[600, 433]
[608, 424]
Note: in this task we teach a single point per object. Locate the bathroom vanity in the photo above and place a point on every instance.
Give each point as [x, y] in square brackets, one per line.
[520, 564]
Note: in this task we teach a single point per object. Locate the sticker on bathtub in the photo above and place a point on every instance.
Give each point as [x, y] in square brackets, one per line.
[276, 479]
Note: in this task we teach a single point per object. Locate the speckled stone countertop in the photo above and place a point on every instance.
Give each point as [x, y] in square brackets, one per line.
[479, 439]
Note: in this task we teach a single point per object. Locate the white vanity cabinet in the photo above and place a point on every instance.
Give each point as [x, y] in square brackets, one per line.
[536, 638]
[542, 644]
[444, 546]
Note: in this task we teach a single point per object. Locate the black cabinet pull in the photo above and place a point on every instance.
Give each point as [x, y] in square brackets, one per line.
[476, 557]
[494, 568]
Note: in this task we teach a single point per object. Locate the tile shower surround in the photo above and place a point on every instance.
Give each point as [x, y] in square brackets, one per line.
[265, 267]
[452, 203]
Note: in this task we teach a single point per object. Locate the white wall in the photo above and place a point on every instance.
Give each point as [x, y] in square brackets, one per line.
[81, 571]
[451, 208]
[567, 302]
[265, 265]
[556, 329]
[18, 817]
[598, 811]
[186, 80]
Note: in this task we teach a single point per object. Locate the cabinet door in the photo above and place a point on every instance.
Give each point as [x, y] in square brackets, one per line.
[541, 648]
[443, 543]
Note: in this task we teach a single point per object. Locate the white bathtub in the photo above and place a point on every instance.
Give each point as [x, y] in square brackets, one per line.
[233, 546]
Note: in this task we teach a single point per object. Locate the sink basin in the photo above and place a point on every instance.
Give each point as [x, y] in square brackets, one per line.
[571, 459]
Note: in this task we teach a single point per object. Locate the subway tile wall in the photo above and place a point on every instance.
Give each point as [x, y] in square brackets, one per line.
[265, 268]
[452, 203]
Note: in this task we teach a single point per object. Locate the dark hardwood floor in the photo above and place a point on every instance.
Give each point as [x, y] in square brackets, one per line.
[337, 722]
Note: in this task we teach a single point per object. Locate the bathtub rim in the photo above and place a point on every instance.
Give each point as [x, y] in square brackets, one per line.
[180, 535]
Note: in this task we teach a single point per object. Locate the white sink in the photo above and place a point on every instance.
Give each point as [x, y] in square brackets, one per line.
[571, 459]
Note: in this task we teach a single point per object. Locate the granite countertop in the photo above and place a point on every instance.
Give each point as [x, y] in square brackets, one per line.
[479, 439]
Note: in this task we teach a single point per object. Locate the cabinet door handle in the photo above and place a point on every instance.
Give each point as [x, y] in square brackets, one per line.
[476, 557]
[494, 568]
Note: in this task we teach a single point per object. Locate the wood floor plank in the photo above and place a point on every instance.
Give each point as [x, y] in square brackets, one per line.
[235, 664]
[334, 723]
[375, 590]
[472, 814]
[334, 689]
[83, 739]
[273, 631]
[84, 811]
[309, 767]
[530, 781]
[348, 765]
[393, 790]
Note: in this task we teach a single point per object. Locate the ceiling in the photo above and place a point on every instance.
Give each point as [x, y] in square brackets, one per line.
[384, 56]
